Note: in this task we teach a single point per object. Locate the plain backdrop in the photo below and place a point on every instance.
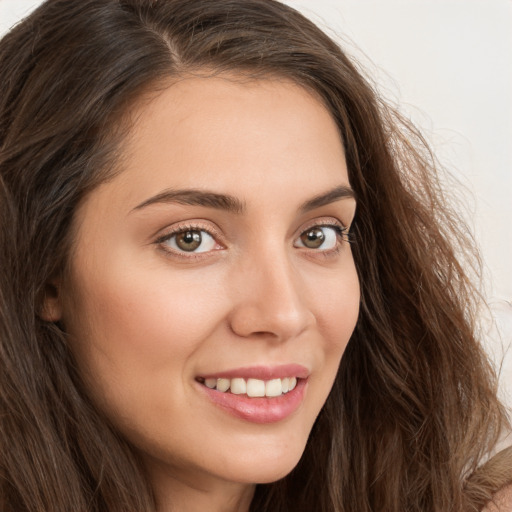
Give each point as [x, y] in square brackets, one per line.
[447, 64]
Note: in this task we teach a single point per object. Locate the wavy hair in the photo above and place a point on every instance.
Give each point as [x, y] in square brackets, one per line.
[413, 410]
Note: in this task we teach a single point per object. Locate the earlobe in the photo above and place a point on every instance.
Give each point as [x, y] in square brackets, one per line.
[51, 309]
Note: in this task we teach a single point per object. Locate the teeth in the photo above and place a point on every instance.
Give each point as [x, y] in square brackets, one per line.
[238, 386]
[223, 384]
[273, 388]
[253, 387]
[210, 383]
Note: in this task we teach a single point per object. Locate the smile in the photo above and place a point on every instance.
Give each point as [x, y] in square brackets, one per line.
[258, 394]
[252, 387]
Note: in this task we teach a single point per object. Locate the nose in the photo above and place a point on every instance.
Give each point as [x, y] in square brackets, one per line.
[269, 300]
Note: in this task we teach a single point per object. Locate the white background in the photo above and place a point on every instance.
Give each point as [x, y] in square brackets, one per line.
[448, 64]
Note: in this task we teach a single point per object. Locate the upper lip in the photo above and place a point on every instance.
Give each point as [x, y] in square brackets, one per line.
[262, 372]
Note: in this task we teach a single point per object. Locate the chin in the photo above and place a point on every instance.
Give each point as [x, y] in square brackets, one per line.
[266, 465]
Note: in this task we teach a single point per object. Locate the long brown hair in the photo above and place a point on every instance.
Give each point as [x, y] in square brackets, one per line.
[413, 410]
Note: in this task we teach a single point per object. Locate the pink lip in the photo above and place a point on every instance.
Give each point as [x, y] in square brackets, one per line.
[260, 410]
[262, 372]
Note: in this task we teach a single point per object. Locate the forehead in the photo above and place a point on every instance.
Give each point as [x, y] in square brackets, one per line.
[231, 131]
[265, 142]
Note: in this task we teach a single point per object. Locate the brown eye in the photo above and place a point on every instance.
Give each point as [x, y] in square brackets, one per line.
[313, 238]
[323, 238]
[191, 240]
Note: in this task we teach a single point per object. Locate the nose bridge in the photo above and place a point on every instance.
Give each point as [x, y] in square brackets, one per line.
[269, 299]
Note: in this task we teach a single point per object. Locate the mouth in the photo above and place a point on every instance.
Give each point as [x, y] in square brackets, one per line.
[253, 388]
[257, 394]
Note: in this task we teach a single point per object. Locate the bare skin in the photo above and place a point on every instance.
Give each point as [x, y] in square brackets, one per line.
[502, 501]
[222, 245]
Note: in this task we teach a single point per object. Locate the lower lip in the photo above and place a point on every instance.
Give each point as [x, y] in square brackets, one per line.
[259, 409]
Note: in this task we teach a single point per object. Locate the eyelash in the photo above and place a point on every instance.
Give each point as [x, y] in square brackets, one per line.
[343, 234]
[183, 229]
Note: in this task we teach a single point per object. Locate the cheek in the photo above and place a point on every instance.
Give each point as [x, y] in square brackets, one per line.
[132, 327]
[337, 308]
[335, 298]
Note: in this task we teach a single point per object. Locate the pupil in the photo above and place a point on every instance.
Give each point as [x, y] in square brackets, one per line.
[189, 240]
[314, 238]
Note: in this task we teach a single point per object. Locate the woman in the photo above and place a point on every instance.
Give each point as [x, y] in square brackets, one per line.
[202, 203]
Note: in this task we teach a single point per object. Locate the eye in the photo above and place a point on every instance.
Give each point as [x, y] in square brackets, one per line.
[190, 240]
[324, 238]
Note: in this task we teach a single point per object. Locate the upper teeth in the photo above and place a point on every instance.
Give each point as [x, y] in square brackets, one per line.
[253, 387]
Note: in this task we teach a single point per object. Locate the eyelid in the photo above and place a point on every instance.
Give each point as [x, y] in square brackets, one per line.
[192, 225]
[323, 221]
[327, 222]
[343, 235]
[200, 225]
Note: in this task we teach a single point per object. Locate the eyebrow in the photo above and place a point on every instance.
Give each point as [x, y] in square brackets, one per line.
[333, 195]
[226, 202]
[196, 197]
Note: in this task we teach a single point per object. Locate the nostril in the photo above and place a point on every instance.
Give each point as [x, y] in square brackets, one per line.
[262, 334]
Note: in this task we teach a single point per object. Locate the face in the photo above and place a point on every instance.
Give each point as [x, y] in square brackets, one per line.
[217, 257]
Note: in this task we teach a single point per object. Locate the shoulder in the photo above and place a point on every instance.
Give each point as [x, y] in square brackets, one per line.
[501, 502]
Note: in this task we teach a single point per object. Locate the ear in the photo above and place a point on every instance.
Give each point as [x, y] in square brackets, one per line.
[51, 309]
